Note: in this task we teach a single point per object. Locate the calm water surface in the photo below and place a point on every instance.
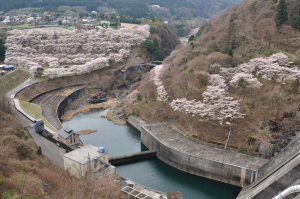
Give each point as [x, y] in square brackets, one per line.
[121, 140]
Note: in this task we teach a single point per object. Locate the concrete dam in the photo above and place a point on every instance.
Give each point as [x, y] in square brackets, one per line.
[260, 178]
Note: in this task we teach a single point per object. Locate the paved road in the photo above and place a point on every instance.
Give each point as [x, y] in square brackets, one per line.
[49, 103]
[49, 149]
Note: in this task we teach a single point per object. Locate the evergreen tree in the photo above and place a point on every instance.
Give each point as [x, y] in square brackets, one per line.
[281, 15]
[230, 52]
[298, 20]
[191, 38]
[2, 49]
[39, 151]
[193, 46]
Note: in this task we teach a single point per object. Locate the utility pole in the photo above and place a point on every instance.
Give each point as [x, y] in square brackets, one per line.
[227, 139]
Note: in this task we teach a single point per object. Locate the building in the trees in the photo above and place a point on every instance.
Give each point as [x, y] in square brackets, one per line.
[88, 158]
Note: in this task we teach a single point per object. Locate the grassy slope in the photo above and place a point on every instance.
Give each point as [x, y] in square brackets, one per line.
[35, 111]
[13, 79]
[246, 35]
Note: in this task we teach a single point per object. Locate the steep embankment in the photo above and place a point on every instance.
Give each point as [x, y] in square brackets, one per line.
[25, 174]
[206, 92]
[249, 29]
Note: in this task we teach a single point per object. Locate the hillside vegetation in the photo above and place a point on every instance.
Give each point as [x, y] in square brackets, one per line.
[25, 174]
[205, 90]
[249, 29]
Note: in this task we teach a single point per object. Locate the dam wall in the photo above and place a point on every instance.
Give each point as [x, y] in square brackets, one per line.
[136, 122]
[38, 89]
[62, 105]
[194, 158]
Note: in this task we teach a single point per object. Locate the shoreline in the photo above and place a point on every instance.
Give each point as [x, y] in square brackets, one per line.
[67, 116]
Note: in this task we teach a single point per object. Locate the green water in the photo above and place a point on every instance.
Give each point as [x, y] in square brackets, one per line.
[121, 140]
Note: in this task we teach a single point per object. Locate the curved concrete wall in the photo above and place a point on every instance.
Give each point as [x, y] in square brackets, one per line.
[62, 105]
[40, 88]
[223, 172]
[136, 122]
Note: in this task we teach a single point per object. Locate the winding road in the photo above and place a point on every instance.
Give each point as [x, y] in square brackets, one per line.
[49, 149]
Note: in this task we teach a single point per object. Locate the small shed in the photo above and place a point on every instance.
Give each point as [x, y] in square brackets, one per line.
[68, 136]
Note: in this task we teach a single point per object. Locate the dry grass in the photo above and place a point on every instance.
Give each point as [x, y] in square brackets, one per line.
[85, 109]
[66, 93]
[129, 25]
[109, 116]
[24, 174]
[35, 111]
[86, 131]
[12, 80]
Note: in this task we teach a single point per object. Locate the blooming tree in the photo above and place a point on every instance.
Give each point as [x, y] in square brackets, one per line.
[155, 76]
[85, 50]
[216, 105]
[30, 19]
[252, 81]
[276, 67]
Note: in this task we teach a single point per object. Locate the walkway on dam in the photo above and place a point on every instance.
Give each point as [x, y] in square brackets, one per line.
[180, 143]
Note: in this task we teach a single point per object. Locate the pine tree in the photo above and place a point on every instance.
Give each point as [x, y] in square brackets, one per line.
[281, 15]
[230, 52]
[298, 20]
[39, 151]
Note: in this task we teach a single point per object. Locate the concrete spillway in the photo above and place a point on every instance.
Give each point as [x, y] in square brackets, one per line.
[132, 157]
[198, 159]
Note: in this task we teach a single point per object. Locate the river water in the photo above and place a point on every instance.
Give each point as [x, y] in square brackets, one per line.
[121, 140]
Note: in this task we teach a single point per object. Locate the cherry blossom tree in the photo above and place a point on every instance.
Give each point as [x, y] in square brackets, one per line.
[252, 81]
[216, 105]
[86, 50]
[155, 76]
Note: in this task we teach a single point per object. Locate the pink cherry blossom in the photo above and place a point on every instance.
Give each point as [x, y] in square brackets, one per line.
[85, 50]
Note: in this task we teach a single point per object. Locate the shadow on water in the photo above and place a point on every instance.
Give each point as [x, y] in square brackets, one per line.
[121, 140]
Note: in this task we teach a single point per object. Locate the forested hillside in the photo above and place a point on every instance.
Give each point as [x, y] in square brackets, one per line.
[16, 4]
[241, 73]
[134, 8]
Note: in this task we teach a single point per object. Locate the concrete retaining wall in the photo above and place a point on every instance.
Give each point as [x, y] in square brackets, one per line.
[62, 105]
[136, 122]
[195, 165]
[288, 151]
[132, 157]
[223, 172]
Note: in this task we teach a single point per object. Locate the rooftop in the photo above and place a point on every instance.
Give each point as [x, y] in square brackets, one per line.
[81, 155]
[65, 132]
[180, 143]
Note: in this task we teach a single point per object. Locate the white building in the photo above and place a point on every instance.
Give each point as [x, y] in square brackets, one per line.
[88, 158]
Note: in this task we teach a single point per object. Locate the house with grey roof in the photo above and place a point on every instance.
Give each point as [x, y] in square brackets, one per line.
[68, 136]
